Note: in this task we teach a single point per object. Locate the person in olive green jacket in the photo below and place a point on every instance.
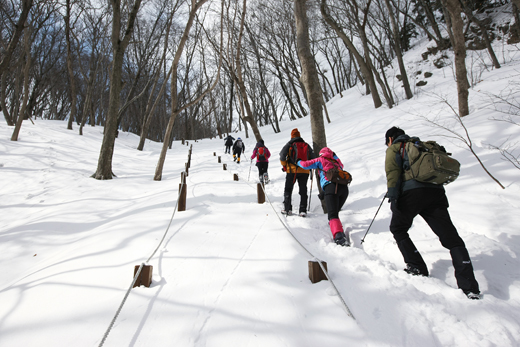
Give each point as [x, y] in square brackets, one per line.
[411, 198]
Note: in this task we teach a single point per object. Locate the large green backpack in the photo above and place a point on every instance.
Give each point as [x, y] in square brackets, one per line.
[429, 162]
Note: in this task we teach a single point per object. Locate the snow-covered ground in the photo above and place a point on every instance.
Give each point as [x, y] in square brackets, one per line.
[229, 272]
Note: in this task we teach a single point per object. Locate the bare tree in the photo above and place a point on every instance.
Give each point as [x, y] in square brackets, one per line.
[18, 29]
[176, 108]
[398, 51]
[365, 66]
[6, 57]
[27, 67]
[459, 47]
[119, 45]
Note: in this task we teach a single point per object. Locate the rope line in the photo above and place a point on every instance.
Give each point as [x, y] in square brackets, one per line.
[111, 325]
[349, 313]
[121, 305]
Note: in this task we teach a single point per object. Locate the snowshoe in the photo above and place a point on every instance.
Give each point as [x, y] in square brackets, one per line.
[303, 214]
[414, 270]
[287, 213]
[266, 178]
[473, 296]
[341, 240]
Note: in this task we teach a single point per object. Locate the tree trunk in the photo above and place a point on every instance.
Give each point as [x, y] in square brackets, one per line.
[104, 169]
[310, 79]
[18, 29]
[26, 76]
[459, 48]
[398, 52]
[240, 81]
[309, 76]
[484, 31]
[175, 107]
[365, 68]
[3, 105]
[70, 68]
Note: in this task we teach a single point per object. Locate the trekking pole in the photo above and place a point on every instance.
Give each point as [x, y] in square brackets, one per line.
[310, 195]
[250, 164]
[381, 204]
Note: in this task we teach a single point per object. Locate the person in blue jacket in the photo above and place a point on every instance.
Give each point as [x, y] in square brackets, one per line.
[335, 194]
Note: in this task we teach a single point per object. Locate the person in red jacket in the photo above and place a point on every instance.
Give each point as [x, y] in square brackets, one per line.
[335, 194]
[262, 154]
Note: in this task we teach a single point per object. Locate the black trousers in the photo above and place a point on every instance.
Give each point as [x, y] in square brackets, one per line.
[290, 180]
[228, 149]
[335, 198]
[432, 205]
[262, 167]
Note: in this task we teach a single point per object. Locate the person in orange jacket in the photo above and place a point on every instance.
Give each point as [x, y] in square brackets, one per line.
[294, 150]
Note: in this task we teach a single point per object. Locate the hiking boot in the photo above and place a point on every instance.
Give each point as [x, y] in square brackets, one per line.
[303, 214]
[414, 270]
[472, 295]
[266, 178]
[341, 240]
[287, 213]
[234, 158]
[261, 179]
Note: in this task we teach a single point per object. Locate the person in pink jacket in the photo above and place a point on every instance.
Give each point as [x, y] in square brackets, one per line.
[262, 154]
[335, 194]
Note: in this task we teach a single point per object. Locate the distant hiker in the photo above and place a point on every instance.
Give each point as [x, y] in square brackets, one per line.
[295, 149]
[335, 194]
[238, 148]
[228, 141]
[262, 154]
[410, 198]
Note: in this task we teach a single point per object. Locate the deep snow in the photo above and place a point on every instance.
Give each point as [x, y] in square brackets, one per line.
[228, 272]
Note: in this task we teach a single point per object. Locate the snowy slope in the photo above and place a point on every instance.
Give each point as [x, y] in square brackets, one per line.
[229, 273]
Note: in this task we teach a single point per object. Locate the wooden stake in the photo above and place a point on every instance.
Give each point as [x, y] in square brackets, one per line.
[224, 166]
[181, 206]
[219, 159]
[316, 274]
[260, 193]
[235, 177]
[145, 277]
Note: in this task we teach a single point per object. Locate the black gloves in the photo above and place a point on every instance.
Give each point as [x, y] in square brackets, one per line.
[392, 194]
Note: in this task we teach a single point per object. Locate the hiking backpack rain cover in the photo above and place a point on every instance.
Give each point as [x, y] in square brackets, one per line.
[298, 150]
[260, 153]
[430, 163]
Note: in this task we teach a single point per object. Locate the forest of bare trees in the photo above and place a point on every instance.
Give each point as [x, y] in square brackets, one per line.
[190, 69]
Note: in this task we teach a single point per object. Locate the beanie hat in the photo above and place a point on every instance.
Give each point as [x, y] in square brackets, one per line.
[295, 133]
[326, 152]
[393, 132]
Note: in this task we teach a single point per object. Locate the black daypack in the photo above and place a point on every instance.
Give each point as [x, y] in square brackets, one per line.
[428, 162]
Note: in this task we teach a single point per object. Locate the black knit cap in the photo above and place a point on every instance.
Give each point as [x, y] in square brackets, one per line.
[393, 132]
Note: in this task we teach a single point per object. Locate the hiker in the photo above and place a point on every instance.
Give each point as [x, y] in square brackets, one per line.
[238, 148]
[262, 154]
[335, 194]
[295, 149]
[409, 198]
[228, 141]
